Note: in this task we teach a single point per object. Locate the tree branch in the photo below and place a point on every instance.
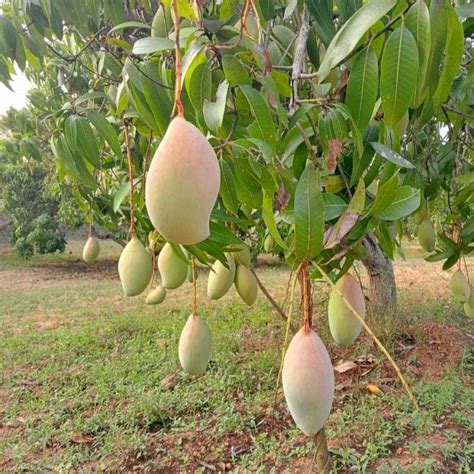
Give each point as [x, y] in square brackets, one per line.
[269, 297]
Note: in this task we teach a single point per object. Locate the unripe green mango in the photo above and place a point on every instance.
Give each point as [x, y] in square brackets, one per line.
[195, 345]
[460, 287]
[308, 381]
[162, 22]
[135, 268]
[242, 255]
[220, 278]
[156, 296]
[182, 184]
[91, 250]
[246, 284]
[469, 305]
[269, 243]
[426, 236]
[172, 269]
[344, 326]
[422, 213]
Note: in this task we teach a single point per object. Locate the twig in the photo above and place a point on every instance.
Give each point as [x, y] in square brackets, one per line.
[371, 334]
[458, 112]
[300, 54]
[130, 178]
[269, 297]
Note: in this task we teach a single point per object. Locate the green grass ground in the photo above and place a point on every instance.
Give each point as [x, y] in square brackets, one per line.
[90, 380]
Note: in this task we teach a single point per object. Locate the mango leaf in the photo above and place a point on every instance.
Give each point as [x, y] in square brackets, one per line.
[129, 24]
[309, 215]
[352, 32]
[466, 11]
[269, 218]
[385, 195]
[418, 22]
[106, 130]
[391, 155]
[334, 206]
[214, 111]
[398, 75]
[199, 85]
[322, 16]
[405, 202]
[122, 192]
[86, 142]
[234, 71]
[152, 45]
[265, 10]
[363, 87]
[227, 188]
[89, 96]
[453, 57]
[264, 126]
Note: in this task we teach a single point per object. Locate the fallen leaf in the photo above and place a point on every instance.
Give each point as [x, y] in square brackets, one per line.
[345, 366]
[170, 381]
[80, 438]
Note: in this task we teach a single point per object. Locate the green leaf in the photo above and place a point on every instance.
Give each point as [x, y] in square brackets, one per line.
[86, 142]
[89, 96]
[265, 10]
[152, 45]
[398, 75]
[363, 87]
[199, 85]
[439, 24]
[453, 57]
[8, 37]
[357, 203]
[352, 32]
[234, 71]
[214, 111]
[122, 192]
[405, 202]
[385, 195]
[418, 22]
[264, 126]
[129, 24]
[322, 17]
[465, 11]
[334, 206]
[227, 188]
[391, 155]
[309, 215]
[269, 218]
[106, 130]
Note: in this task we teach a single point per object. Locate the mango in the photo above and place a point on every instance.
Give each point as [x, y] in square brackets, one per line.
[246, 284]
[426, 236]
[344, 326]
[173, 269]
[308, 381]
[91, 250]
[156, 296]
[135, 268]
[220, 278]
[182, 184]
[268, 243]
[242, 255]
[469, 306]
[460, 287]
[195, 345]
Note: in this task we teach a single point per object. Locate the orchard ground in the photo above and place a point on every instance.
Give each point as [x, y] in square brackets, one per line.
[90, 380]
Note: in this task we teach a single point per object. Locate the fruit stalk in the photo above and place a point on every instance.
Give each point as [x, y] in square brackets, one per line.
[130, 178]
[179, 73]
[193, 267]
[321, 452]
[306, 294]
[371, 334]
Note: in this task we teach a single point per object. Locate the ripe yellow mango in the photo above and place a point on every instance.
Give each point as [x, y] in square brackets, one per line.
[195, 345]
[460, 287]
[246, 284]
[344, 326]
[173, 270]
[135, 268]
[156, 296]
[426, 236]
[220, 278]
[182, 184]
[308, 381]
[91, 250]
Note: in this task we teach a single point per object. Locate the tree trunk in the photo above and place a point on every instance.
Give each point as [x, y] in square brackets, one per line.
[383, 289]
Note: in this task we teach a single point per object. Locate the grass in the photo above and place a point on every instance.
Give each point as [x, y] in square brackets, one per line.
[82, 370]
